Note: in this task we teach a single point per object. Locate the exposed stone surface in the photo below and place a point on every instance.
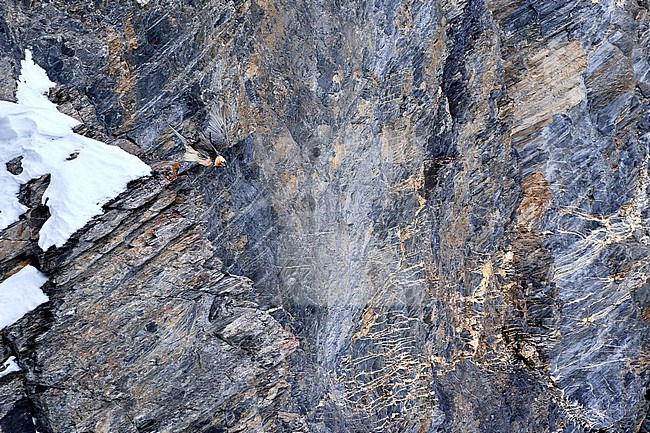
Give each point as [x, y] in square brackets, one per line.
[142, 333]
[444, 203]
[15, 410]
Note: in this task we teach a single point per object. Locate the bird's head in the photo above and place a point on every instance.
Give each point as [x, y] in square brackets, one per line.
[220, 161]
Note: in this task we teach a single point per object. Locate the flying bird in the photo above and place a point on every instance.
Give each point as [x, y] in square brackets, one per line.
[206, 149]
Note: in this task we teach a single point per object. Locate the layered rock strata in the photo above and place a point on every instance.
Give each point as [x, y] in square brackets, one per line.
[444, 202]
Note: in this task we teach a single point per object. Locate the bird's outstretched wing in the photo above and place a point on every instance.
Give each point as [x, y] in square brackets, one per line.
[180, 136]
[215, 133]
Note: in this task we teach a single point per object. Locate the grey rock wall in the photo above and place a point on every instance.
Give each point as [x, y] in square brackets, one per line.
[438, 213]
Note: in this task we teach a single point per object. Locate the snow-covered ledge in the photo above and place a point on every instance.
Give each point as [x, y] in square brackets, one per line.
[20, 294]
[85, 173]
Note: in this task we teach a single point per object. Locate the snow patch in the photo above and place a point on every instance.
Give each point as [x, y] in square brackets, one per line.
[33, 84]
[9, 366]
[85, 173]
[20, 294]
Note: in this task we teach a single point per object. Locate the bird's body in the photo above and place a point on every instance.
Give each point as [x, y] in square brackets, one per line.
[206, 149]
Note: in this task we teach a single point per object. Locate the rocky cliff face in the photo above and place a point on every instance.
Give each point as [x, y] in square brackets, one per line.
[434, 218]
